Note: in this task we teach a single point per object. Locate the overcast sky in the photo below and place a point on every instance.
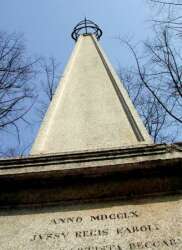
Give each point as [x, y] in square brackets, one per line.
[47, 25]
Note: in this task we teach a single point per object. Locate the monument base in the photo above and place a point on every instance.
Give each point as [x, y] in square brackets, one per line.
[152, 223]
[112, 199]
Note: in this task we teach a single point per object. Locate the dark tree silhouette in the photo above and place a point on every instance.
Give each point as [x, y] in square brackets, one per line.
[50, 71]
[17, 96]
[168, 15]
[16, 72]
[154, 117]
[157, 78]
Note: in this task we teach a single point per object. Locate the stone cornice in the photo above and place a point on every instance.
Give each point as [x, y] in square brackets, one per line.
[109, 173]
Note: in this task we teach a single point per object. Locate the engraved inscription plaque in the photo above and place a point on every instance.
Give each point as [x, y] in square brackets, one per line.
[144, 224]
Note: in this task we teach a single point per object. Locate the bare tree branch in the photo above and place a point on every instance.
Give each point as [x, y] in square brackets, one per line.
[155, 118]
[50, 76]
[142, 75]
[166, 2]
[16, 72]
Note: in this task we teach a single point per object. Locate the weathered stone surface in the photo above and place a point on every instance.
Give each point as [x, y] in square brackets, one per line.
[123, 172]
[138, 224]
[108, 189]
[90, 109]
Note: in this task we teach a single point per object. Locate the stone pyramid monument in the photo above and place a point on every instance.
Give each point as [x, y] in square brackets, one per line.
[91, 109]
[94, 179]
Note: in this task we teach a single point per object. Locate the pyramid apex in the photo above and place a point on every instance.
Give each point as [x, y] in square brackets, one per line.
[86, 27]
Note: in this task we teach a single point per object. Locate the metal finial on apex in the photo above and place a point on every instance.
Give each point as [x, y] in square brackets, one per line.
[86, 27]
